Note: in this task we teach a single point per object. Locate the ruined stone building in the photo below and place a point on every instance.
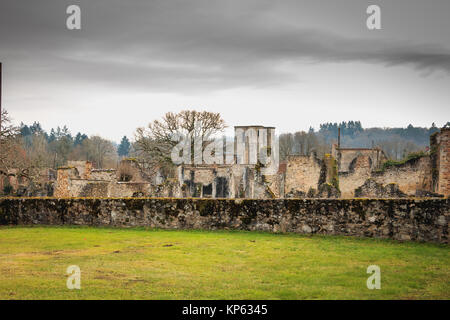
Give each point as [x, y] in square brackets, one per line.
[79, 179]
[14, 181]
[244, 177]
[345, 173]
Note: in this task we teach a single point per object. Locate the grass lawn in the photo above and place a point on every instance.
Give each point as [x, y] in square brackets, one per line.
[157, 264]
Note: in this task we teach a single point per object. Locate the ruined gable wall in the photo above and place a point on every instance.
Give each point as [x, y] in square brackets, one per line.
[302, 173]
[345, 158]
[130, 170]
[84, 168]
[411, 176]
[349, 181]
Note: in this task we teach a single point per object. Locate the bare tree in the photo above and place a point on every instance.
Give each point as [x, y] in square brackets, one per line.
[14, 161]
[286, 143]
[9, 143]
[398, 148]
[154, 143]
[98, 150]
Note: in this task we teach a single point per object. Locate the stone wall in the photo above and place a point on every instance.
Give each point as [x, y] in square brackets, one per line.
[63, 185]
[104, 174]
[84, 168]
[130, 189]
[411, 176]
[346, 170]
[302, 174]
[226, 181]
[346, 157]
[400, 219]
[440, 153]
[373, 189]
[206, 181]
[349, 181]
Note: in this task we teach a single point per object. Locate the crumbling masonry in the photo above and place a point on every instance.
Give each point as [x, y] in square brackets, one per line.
[345, 173]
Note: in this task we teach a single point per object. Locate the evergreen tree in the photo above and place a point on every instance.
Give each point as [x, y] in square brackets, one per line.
[25, 130]
[36, 128]
[52, 136]
[79, 138]
[124, 147]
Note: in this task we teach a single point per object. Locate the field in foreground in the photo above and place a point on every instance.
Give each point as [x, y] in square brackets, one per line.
[156, 264]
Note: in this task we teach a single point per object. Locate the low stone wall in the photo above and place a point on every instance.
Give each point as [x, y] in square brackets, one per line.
[401, 219]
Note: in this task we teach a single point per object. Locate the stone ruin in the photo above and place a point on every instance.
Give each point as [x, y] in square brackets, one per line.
[345, 173]
[130, 179]
[373, 189]
[13, 182]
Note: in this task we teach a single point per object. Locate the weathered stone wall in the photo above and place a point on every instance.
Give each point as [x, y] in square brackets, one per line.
[275, 185]
[129, 189]
[373, 189]
[104, 174]
[87, 188]
[401, 219]
[346, 157]
[226, 181]
[130, 170]
[440, 147]
[349, 181]
[84, 168]
[302, 174]
[410, 176]
[354, 169]
[63, 184]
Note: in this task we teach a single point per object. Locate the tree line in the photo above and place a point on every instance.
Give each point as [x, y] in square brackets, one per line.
[58, 146]
[397, 143]
[28, 148]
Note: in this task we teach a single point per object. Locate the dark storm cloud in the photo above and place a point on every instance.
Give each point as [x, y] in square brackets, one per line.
[187, 45]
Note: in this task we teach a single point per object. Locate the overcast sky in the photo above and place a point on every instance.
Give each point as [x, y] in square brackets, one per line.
[286, 63]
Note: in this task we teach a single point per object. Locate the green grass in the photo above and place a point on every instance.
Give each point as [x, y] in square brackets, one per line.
[156, 264]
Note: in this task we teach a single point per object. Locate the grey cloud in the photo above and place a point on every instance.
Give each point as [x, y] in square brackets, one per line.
[186, 45]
